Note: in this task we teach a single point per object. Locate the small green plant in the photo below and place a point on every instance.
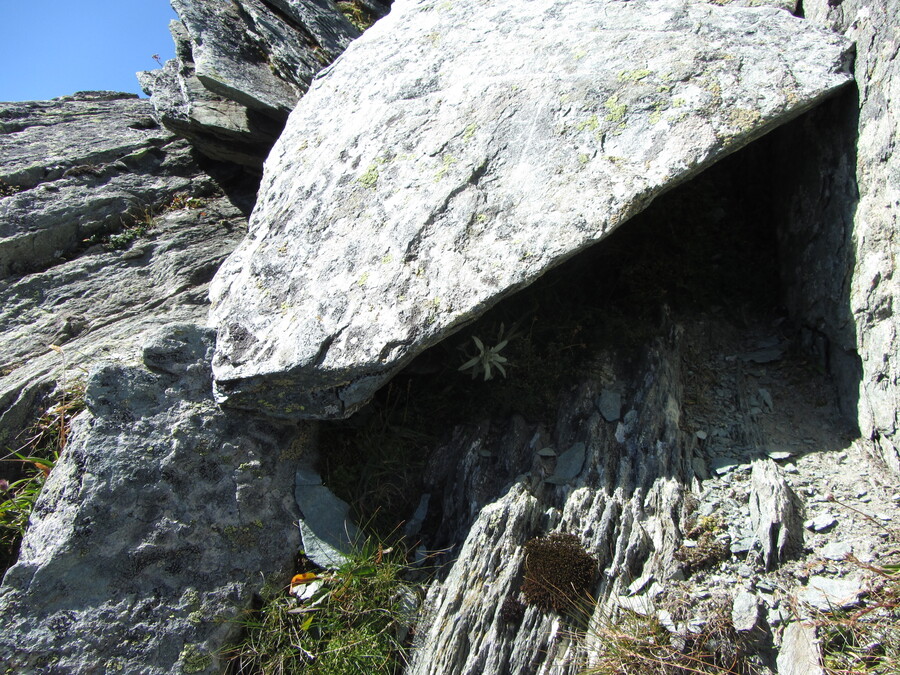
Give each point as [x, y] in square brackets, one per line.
[31, 464]
[488, 357]
[350, 621]
[123, 239]
[357, 14]
[705, 549]
[558, 572]
[7, 190]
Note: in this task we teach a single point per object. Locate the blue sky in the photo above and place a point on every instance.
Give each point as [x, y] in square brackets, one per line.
[51, 48]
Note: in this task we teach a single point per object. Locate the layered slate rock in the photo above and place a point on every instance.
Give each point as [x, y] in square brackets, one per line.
[623, 506]
[103, 303]
[457, 151]
[155, 528]
[860, 217]
[240, 68]
[78, 166]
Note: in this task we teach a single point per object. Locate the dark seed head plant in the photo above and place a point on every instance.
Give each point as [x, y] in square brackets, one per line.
[558, 572]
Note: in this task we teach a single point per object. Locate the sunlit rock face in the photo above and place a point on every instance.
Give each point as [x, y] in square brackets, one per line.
[457, 151]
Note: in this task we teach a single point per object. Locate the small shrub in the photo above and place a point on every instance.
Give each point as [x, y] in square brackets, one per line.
[351, 622]
[558, 572]
[357, 14]
[707, 551]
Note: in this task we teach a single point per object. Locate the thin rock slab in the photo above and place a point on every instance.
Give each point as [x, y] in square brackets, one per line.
[160, 521]
[776, 514]
[240, 68]
[457, 151]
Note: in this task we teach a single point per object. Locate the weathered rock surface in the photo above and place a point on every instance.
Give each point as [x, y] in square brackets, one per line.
[776, 514]
[84, 166]
[79, 166]
[858, 342]
[624, 506]
[103, 304]
[155, 528]
[241, 66]
[410, 193]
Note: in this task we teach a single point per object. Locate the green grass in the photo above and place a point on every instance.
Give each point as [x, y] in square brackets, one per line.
[357, 14]
[355, 622]
[26, 469]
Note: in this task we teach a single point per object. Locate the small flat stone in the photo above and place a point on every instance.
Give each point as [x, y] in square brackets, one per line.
[701, 435]
[723, 465]
[827, 594]
[610, 405]
[745, 611]
[779, 455]
[821, 523]
[568, 465]
[837, 550]
[328, 533]
[742, 546]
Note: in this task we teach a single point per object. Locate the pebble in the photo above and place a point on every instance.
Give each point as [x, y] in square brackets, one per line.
[837, 550]
[778, 455]
[610, 405]
[821, 523]
[745, 612]
[825, 593]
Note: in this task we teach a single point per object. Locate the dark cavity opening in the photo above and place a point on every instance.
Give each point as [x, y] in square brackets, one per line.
[759, 244]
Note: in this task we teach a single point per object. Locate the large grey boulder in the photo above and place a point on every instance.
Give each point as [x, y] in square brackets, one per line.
[81, 165]
[241, 66]
[159, 522]
[457, 151]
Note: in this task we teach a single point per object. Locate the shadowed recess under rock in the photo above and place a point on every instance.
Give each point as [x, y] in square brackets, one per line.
[410, 193]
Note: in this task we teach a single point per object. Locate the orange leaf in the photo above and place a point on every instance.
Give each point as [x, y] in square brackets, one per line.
[304, 578]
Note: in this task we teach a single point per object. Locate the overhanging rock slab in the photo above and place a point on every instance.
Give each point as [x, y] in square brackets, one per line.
[459, 150]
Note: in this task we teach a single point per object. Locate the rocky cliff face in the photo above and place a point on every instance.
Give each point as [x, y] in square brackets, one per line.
[472, 192]
[241, 66]
[678, 401]
[863, 196]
